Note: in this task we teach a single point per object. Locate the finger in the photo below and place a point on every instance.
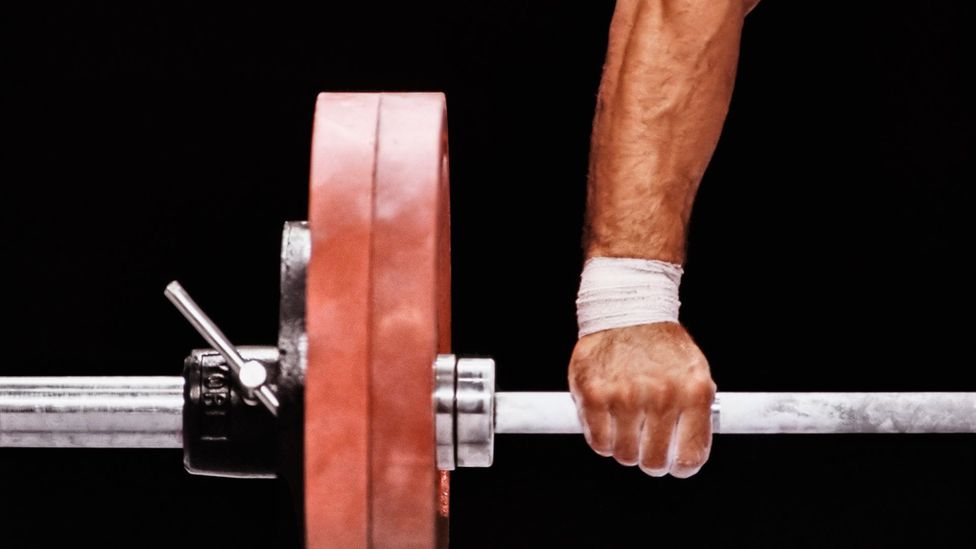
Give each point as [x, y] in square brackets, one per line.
[655, 443]
[693, 439]
[626, 436]
[597, 428]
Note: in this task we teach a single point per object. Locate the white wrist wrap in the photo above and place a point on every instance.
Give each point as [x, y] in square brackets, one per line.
[616, 292]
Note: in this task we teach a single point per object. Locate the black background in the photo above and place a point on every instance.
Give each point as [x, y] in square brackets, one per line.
[829, 250]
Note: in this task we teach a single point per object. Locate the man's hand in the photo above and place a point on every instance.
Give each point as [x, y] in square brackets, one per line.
[645, 394]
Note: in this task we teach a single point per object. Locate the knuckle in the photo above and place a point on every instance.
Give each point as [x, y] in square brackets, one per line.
[596, 397]
[626, 399]
[592, 394]
[660, 396]
[700, 391]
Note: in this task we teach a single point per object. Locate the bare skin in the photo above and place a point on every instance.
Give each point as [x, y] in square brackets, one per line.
[644, 392]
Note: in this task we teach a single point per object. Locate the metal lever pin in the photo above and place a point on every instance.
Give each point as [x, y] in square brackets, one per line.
[251, 375]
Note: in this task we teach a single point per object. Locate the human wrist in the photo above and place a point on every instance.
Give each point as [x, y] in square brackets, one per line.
[617, 292]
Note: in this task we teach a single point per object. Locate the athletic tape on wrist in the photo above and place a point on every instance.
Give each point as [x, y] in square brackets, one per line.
[620, 291]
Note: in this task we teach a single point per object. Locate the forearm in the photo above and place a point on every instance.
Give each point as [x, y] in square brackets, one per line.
[663, 98]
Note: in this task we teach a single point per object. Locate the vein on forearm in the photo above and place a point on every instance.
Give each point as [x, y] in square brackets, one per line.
[663, 98]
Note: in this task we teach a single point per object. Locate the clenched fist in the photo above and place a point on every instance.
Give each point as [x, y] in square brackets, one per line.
[644, 395]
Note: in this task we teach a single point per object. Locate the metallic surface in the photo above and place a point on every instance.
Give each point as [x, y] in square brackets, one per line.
[798, 413]
[296, 247]
[475, 412]
[223, 436]
[771, 413]
[445, 385]
[91, 412]
[292, 363]
[251, 375]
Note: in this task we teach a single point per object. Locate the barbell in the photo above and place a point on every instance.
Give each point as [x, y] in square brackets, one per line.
[361, 405]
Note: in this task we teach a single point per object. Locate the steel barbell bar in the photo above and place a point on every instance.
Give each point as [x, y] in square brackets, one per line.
[147, 412]
[91, 412]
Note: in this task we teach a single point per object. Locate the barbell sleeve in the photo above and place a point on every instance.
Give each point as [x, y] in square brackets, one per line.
[91, 412]
[770, 413]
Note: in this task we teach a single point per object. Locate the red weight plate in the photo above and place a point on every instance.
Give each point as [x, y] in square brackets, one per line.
[378, 312]
[411, 282]
[338, 321]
